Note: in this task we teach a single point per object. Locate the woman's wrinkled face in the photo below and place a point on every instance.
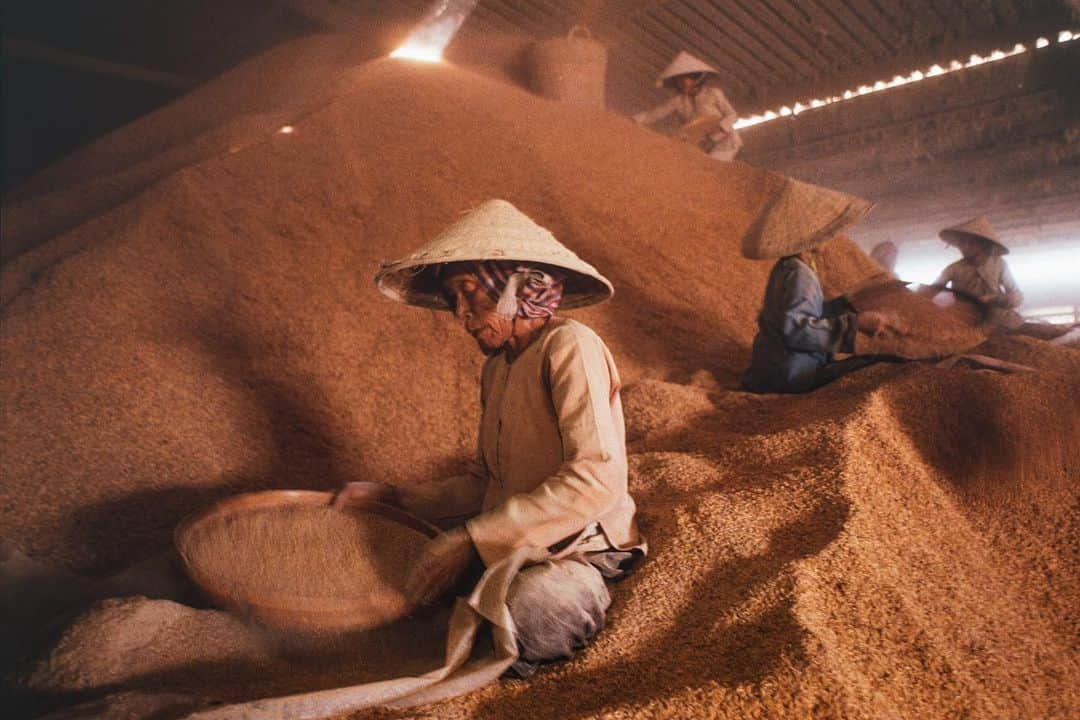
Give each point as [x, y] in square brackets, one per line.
[476, 311]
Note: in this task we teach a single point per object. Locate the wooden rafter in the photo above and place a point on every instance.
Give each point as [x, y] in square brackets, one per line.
[39, 52]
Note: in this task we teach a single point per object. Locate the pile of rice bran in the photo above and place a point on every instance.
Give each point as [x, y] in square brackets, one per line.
[198, 318]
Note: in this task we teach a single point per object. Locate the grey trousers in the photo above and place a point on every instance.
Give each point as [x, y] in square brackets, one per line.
[559, 605]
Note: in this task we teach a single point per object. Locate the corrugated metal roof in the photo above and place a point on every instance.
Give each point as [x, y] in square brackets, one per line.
[773, 52]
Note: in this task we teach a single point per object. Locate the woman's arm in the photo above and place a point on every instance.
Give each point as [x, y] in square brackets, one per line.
[1013, 298]
[944, 278]
[723, 109]
[656, 114]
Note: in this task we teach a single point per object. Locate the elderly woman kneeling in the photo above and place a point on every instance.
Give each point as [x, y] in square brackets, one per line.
[551, 471]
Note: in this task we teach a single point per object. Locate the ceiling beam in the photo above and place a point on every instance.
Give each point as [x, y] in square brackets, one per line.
[695, 40]
[329, 15]
[626, 9]
[743, 29]
[39, 52]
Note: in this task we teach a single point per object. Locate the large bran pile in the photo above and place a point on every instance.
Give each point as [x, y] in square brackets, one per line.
[901, 543]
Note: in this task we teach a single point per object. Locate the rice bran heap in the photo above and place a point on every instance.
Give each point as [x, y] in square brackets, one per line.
[200, 319]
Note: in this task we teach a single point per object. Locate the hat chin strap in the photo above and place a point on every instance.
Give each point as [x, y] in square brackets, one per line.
[508, 300]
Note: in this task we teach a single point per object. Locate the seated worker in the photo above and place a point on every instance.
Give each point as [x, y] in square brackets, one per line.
[981, 274]
[885, 254]
[551, 470]
[695, 99]
[798, 330]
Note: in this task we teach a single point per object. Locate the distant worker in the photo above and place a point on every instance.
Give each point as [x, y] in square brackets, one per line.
[886, 253]
[981, 274]
[798, 330]
[696, 101]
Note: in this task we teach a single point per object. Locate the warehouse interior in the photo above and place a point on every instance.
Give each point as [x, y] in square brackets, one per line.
[999, 135]
[198, 195]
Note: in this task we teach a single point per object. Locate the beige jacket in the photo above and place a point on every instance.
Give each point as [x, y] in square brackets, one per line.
[709, 102]
[990, 277]
[552, 460]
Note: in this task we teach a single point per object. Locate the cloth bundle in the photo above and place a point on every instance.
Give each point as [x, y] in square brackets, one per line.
[520, 290]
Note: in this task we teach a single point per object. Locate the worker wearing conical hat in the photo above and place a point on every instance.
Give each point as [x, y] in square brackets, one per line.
[799, 331]
[551, 471]
[694, 100]
[981, 273]
[886, 254]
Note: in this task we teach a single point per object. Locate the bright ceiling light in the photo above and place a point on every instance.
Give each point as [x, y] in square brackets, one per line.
[898, 80]
[435, 31]
[418, 51]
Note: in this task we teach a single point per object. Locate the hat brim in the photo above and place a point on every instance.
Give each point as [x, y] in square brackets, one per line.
[949, 237]
[418, 283]
[799, 217]
[669, 81]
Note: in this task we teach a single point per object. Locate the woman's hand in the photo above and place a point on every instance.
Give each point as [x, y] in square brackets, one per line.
[444, 559]
[359, 493]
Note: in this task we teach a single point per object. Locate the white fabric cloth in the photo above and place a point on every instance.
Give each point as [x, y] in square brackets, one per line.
[457, 676]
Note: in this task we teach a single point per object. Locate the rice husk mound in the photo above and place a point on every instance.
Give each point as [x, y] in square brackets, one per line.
[300, 555]
[162, 658]
[653, 406]
[900, 543]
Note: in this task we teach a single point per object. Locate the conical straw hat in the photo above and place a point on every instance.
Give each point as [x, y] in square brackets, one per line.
[684, 64]
[979, 227]
[496, 230]
[798, 217]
